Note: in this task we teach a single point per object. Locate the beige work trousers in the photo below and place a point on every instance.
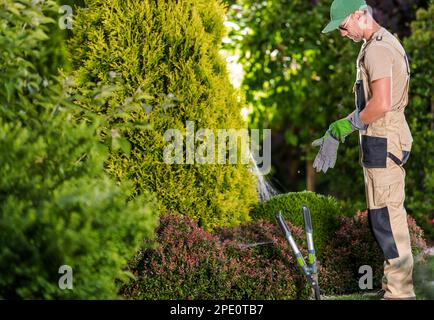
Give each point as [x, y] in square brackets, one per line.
[385, 195]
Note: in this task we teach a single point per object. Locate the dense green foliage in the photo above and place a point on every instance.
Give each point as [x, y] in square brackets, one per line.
[57, 205]
[424, 279]
[420, 114]
[164, 57]
[325, 212]
[297, 81]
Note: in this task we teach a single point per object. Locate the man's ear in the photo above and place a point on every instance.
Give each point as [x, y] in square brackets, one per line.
[359, 13]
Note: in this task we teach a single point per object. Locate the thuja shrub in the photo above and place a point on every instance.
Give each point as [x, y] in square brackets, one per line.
[190, 263]
[57, 205]
[354, 246]
[164, 58]
[324, 210]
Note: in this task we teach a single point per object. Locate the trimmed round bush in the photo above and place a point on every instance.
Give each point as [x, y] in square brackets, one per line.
[163, 58]
[190, 263]
[324, 213]
[354, 246]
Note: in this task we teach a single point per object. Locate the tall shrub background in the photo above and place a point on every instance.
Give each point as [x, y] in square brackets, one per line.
[165, 55]
[420, 170]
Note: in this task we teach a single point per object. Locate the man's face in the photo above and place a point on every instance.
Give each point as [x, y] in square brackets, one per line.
[350, 28]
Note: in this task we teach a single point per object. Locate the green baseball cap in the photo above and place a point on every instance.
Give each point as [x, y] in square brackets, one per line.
[339, 10]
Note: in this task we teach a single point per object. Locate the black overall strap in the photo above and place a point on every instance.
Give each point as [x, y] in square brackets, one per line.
[394, 158]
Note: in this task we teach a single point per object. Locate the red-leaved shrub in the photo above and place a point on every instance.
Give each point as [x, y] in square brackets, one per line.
[190, 263]
[354, 246]
[268, 268]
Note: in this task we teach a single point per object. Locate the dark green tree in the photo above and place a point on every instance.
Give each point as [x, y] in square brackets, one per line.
[297, 81]
[396, 15]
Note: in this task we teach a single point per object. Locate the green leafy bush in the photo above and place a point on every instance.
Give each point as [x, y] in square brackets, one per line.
[420, 113]
[58, 209]
[291, 69]
[190, 263]
[354, 246]
[164, 55]
[424, 279]
[57, 205]
[324, 212]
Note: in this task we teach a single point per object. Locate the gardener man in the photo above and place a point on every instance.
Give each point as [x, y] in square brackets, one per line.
[381, 91]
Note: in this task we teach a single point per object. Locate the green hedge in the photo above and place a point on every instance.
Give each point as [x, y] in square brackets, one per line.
[163, 57]
[57, 210]
[57, 205]
[324, 212]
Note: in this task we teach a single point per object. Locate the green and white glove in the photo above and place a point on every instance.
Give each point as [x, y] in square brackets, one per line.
[327, 154]
[342, 128]
[329, 143]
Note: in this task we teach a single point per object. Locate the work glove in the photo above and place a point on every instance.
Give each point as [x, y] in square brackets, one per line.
[344, 127]
[329, 143]
[327, 154]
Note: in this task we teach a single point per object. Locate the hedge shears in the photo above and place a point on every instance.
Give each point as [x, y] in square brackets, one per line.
[309, 270]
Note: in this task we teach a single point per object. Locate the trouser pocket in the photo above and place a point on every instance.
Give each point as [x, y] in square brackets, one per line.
[385, 186]
[392, 194]
[374, 152]
[385, 197]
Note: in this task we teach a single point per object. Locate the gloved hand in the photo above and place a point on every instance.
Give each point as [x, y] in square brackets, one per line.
[343, 127]
[326, 157]
[329, 143]
[340, 129]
